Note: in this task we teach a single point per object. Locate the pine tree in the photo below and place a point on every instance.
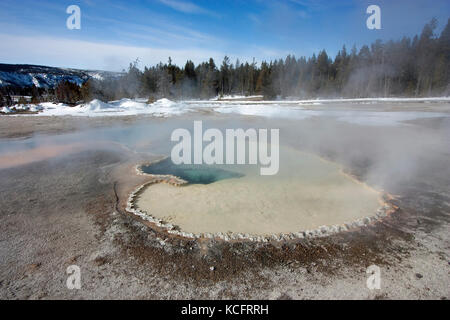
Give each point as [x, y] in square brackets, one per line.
[264, 82]
[426, 55]
[225, 76]
[410, 66]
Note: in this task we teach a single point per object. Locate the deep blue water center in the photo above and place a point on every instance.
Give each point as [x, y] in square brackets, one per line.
[193, 174]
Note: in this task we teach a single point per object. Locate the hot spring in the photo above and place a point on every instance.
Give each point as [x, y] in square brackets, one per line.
[193, 174]
[307, 193]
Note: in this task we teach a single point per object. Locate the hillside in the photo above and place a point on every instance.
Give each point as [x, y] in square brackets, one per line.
[22, 76]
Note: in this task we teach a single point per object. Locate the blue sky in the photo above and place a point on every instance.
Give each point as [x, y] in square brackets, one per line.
[115, 32]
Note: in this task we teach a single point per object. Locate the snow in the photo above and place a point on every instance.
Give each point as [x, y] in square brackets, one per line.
[97, 108]
[270, 109]
[35, 81]
[275, 110]
[327, 101]
[34, 108]
[96, 76]
[97, 105]
[48, 77]
[164, 103]
[236, 97]
[22, 107]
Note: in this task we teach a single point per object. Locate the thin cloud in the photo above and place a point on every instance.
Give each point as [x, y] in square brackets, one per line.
[320, 5]
[315, 5]
[254, 18]
[158, 30]
[62, 52]
[187, 7]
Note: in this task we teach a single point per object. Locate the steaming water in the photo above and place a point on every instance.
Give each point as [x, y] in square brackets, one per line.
[307, 193]
[193, 174]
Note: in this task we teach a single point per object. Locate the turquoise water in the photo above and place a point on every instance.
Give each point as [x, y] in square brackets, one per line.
[193, 174]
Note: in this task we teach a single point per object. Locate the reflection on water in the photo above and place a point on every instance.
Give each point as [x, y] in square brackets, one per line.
[194, 174]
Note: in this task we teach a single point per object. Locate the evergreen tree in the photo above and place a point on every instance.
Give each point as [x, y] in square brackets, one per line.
[418, 66]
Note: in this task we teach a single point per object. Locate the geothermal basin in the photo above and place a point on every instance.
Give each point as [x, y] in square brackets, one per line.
[306, 194]
[64, 203]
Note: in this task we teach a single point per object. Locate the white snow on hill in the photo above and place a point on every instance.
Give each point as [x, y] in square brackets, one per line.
[40, 80]
[47, 77]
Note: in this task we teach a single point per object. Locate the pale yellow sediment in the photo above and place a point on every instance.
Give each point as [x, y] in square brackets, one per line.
[306, 194]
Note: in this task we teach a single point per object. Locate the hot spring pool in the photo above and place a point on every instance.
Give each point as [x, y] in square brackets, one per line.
[307, 193]
[193, 174]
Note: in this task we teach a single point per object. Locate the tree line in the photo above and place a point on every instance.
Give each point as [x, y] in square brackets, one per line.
[408, 67]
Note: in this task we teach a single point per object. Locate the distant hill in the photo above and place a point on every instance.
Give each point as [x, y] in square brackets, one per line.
[23, 75]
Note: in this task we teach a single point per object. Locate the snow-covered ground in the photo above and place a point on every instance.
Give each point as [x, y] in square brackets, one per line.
[323, 101]
[298, 109]
[237, 97]
[97, 108]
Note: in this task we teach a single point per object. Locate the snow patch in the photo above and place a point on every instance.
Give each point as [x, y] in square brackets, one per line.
[237, 97]
[96, 76]
[123, 107]
[35, 81]
[165, 103]
[96, 105]
[270, 109]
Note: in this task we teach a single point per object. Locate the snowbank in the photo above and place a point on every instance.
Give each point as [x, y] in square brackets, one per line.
[97, 105]
[123, 107]
[237, 97]
[164, 103]
[21, 108]
[270, 109]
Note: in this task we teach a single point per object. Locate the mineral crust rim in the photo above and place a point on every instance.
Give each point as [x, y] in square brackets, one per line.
[383, 211]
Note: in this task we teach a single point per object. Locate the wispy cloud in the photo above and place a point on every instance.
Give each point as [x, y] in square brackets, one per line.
[63, 52]
[322, 5]
[313, 5]
[159, 30]
[255, 18]
[187, 7]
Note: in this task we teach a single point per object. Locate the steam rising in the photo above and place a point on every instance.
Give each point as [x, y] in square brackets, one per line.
[392, 157]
